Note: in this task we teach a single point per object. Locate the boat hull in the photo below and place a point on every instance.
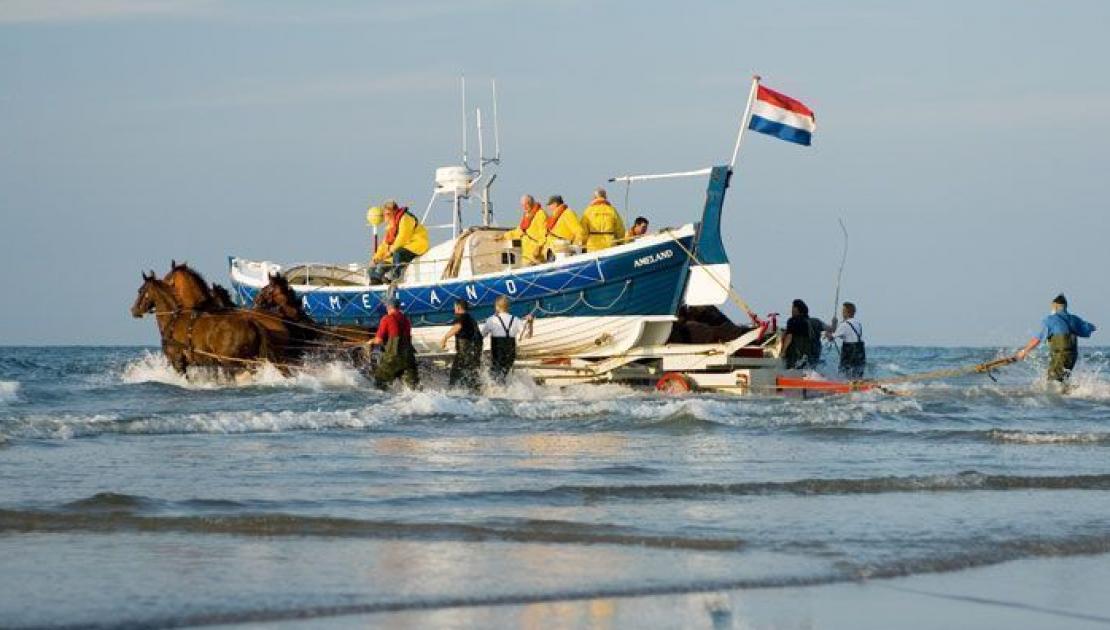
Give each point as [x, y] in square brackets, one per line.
[595, 304]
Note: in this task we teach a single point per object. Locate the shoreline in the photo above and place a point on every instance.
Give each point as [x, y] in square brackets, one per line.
[1057, 592]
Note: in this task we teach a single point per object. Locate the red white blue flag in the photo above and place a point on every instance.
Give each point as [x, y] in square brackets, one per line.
[779, 115]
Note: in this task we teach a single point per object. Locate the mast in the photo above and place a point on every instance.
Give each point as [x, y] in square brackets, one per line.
[745, 120]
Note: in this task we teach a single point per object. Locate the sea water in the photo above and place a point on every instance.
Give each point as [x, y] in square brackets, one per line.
[131, 495]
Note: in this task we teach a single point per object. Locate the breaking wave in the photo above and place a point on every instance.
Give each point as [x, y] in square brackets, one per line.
[111, 513]
[1047, 437]
[68, 426]
[9, 391]
[153, 368]
[969, 481]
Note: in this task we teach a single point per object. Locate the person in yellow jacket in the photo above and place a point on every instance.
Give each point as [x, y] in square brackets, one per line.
[601, 225]
[563, 227]
[531, 231]
[405, 239]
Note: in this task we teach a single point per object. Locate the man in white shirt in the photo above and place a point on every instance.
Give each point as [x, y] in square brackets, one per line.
[853, 355]
[504, 329]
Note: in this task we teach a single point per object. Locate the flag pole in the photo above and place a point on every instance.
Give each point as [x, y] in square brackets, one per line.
[745, 120]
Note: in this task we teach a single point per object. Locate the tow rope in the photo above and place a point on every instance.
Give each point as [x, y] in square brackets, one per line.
[883, 384]
[732, 294]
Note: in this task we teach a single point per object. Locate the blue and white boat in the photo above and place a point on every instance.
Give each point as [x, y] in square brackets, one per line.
[586, 304]
[597, 304]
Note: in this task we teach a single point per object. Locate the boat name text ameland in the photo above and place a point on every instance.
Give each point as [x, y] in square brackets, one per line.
[370, 300]
[654, 258]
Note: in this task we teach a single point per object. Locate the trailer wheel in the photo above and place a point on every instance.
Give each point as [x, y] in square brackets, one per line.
[674, 383]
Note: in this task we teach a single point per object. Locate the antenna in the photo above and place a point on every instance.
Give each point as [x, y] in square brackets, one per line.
[496, 134]
[466, 163]
[481, 146]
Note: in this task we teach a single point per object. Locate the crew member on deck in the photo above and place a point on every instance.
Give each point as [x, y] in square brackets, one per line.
[503, 329]
[796, 346]
[1062, 330]
[467, 365]
[601, 225]
[405, 239]
[638, 229]
[853, 353]
[563, 228]
[531, 231]
[398, 356]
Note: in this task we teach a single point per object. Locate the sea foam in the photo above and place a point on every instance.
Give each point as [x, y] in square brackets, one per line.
[9, 391]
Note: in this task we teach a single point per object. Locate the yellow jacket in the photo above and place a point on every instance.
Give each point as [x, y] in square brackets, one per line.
[407, 233]
[563, 223]
[601, 225]
[532, 233]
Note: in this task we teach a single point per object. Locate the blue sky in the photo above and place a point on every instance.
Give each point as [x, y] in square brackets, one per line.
[961, 142]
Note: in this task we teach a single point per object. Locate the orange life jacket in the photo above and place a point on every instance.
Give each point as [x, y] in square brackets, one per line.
[553, 220]
[395, 224]
[526, 219]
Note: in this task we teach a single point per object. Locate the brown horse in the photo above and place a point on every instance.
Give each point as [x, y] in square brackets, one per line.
[193, 293]
[189, 288]
[225, 341]
[221, 299]
[278, 298]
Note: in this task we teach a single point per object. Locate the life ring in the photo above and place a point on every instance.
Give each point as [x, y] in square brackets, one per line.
[674, 383]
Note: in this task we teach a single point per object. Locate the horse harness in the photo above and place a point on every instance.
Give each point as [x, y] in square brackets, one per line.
[168, 340]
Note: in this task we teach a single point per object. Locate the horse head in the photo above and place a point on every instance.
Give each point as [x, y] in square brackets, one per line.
[145, 300]
[221, 298]
[278, 295]
[188, 286]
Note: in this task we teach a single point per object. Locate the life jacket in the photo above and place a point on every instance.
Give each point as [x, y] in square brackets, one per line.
[395, 224]
[526, 219]
[553, 220]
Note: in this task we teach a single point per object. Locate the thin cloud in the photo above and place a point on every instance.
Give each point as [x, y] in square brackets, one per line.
[44, 11]
[254, 92]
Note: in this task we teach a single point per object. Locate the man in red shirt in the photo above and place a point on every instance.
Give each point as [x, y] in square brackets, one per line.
[398, 356]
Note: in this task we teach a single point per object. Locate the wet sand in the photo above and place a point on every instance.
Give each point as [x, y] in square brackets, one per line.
[1058, 593]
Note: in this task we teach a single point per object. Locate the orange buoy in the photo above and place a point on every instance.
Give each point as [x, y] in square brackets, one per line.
[674, 383]
[827, 387]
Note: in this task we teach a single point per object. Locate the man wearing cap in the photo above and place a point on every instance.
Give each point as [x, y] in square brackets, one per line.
[1062, 331]
[398, 356]
[563, 227]
[405, 239]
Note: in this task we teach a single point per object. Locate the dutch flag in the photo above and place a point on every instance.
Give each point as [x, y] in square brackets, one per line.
[781, 116]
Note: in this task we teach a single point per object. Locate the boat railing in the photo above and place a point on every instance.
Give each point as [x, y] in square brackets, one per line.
[358, 274]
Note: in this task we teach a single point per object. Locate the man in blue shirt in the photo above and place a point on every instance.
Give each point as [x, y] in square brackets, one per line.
[1062, 331]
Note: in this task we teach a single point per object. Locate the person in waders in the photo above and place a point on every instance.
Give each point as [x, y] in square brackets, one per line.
[503, 329]
[1062, 330]
[817, 330]
[796, 345]
[466, 367]
[398, 356]
[853, 354]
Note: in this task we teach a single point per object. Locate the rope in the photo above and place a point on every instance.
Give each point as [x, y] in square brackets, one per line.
[979, 368]
[733, 295]
[312, 327]
[220, 357]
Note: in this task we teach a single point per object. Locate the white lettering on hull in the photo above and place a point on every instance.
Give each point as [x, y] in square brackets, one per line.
[653, 258]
